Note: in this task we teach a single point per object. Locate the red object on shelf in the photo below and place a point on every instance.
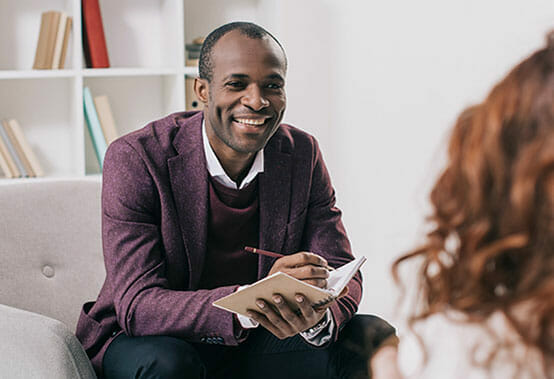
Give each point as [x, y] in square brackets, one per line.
[94, 41]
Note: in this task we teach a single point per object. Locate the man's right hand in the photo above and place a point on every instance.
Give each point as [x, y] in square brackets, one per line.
[305, 266]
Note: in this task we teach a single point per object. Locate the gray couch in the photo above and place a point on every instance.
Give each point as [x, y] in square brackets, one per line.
[50, 264]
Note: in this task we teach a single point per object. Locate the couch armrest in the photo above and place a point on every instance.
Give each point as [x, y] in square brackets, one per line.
[36, 346]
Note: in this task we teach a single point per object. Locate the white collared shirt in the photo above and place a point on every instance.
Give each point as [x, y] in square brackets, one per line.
[216, 171]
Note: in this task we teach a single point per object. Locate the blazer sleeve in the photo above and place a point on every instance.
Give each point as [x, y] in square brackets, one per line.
[136, 272]
[324, 234]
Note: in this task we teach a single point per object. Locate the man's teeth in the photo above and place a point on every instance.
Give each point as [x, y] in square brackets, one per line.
[250, 122]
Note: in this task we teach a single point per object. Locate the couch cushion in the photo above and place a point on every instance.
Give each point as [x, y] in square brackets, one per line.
[50, 246]
[37, 347]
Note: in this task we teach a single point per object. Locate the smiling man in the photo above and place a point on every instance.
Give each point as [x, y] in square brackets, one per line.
[182, 197]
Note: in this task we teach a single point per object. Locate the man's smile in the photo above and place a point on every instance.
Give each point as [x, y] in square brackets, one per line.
[251, 123]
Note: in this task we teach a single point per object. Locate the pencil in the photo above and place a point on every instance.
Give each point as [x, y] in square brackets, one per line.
[272, 254]
[263, 252]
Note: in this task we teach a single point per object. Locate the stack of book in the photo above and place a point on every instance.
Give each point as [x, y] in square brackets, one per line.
[17, 159]
[53, 39]
[100, 123]
[193, 51]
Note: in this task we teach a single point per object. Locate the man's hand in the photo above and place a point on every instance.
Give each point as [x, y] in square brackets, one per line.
[305, 266]
[279, 318]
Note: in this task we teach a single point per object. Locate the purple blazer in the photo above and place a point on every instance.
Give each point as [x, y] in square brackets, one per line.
[154, 231]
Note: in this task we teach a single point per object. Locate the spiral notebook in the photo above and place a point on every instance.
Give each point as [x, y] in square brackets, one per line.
[240, 301]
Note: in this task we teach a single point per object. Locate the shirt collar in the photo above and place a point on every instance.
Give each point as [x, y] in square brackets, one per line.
[218, 173]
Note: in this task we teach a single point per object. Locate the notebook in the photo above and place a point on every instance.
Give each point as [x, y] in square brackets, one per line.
[284, 284]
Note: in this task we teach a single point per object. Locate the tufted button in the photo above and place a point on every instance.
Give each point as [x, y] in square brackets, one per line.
[114, 334]
[48, 271]
[203, 339]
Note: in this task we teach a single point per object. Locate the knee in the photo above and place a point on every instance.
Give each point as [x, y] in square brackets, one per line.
[366, 333]
[164, 365]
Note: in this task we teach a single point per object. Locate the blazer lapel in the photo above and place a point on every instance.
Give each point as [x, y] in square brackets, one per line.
[189, 182]
[274, 197]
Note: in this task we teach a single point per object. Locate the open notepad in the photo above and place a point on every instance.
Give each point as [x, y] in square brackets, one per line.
[240, 301]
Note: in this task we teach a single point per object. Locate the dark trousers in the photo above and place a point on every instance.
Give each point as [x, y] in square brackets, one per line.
[262, 355]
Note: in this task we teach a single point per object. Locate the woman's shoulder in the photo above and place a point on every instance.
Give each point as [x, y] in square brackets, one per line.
[448, 344]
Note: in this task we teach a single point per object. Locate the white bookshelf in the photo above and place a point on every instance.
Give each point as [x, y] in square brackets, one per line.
[146, 47]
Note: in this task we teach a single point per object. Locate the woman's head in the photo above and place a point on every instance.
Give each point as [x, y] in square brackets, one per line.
[492, 244]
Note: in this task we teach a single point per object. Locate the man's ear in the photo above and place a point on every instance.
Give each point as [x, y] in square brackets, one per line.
[201, 89]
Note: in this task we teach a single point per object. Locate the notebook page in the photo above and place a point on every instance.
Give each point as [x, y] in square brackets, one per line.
[339, 278]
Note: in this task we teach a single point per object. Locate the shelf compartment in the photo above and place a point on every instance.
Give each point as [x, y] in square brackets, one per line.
[142, 33]
[46, 119]
[134, 101]
[20, 21]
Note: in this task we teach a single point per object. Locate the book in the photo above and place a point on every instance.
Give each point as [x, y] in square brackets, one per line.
[28, 152]
[19, 168]
[105, 116]
[58, 45]
[40, 51]
[94, 127]
[8, 173]
[94, 40]
[51, 38]
[46, 40]
[65, 44]
[240, 301]
[18, 149]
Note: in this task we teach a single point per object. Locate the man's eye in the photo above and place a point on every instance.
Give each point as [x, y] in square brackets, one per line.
[274, 86]
[235, 84]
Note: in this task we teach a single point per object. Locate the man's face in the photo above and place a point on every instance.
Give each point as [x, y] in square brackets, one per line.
[245, 100]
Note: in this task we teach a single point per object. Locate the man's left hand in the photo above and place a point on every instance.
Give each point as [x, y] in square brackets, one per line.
[281, 320]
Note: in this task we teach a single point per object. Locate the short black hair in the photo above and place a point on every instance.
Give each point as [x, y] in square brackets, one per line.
[249, 29]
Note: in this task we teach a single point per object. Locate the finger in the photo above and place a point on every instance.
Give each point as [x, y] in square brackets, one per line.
[294, 320]
[321, 283]
[263, 321]
[306, 309]
[304, 258]
[309, 272]
[273, 317]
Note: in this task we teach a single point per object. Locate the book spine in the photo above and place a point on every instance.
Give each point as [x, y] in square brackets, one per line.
[8, 173]
[40, 53]
[17, 166]
[96, 51]
[18, 149]
[106, 118]
[26, 147]
[58, 45]
[95, 130]
[51, 38]
[67, 33]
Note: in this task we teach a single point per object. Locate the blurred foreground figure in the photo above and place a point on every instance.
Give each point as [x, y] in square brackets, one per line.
[485, 294]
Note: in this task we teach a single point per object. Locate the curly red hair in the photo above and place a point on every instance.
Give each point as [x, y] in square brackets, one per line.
[491, 248]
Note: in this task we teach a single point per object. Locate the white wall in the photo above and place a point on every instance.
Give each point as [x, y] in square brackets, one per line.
[380, 83]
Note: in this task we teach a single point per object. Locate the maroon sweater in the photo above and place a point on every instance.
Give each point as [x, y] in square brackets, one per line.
[233, 220]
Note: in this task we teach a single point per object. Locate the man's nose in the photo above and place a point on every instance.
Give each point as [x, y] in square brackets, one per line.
[254, 98]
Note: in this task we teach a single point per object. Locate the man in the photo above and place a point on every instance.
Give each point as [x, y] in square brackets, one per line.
[183, 196]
